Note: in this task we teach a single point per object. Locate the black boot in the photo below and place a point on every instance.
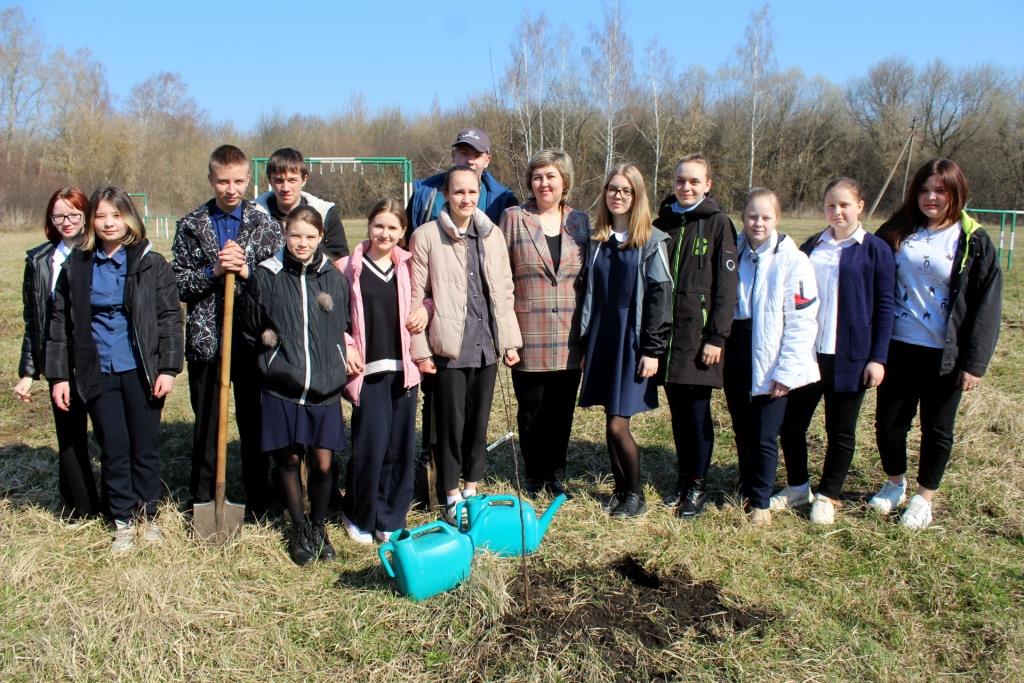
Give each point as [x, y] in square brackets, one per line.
[301, 546]
[632, 505]
[692, 504]
[556, 487]
[321, 543]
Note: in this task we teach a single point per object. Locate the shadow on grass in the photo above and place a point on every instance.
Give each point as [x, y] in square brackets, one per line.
[371, 577]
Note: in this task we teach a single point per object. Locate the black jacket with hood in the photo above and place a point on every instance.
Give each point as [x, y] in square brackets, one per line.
[151, 305]
[296, 316]
[702, 256]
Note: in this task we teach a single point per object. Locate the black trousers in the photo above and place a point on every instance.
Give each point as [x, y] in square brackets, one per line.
[204, 391]
[912, 378]
[692, 430]
[462, 399]
[756, 420]
[75, 480]
[841, 411]
[546, 401]
[380, 471]
[126, 420]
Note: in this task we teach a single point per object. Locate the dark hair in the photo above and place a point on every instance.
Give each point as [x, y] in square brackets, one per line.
[227, 155]
[287, 160]
[136, 227]
[455, 169]
[697, 159]
[73, 196]
[909, 217]
[307, 214]
[843, 182]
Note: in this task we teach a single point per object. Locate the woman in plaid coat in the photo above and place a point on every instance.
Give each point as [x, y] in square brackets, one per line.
[547, 243]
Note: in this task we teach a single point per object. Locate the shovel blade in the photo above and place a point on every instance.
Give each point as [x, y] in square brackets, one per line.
[211, 528]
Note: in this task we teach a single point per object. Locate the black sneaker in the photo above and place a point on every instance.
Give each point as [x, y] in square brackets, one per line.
[300, 549]
[692, 504]
[632, 505]
[533, 488]
[556, 487]
[322, 543]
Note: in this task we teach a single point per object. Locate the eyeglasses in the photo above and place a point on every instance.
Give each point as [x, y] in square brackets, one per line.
[59, 218]
[624, 192]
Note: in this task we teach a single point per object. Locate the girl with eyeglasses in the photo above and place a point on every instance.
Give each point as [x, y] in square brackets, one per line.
[625, 323]
[64, 226]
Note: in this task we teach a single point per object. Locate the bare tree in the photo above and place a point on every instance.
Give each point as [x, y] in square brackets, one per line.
[954, 104]
[610, 59]
[658, 66]
[22, 78]
[756, 60]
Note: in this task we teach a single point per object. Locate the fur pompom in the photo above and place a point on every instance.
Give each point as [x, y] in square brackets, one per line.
[269, 338]
[325, 302]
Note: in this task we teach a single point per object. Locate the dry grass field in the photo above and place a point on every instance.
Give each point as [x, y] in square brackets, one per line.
[650, 599]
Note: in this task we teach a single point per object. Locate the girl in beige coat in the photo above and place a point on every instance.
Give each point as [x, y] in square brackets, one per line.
[461, 273]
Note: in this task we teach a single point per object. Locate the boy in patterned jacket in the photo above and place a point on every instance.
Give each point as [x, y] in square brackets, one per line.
[226, 234]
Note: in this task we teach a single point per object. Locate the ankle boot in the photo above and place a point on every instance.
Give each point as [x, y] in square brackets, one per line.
[321, 543]
[692, 504]
[301, 546]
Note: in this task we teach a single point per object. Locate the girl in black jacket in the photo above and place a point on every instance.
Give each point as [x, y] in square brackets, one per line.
[948, 301]
[116, 331]
[64, 228]
[296, 311]
[702, 255]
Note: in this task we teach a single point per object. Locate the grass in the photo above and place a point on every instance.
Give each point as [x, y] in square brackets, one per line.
[862, 600]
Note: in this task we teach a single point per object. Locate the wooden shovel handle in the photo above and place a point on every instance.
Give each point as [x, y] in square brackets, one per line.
[225, 386]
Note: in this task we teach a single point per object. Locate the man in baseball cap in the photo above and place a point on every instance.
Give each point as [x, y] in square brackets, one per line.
[472, 147]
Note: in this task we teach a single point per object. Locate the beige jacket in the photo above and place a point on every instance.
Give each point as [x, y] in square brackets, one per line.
[439, 274]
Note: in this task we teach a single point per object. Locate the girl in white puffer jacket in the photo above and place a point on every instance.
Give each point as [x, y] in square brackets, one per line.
[771, 348]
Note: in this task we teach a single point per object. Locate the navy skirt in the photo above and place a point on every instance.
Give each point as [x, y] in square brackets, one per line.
[285, 423]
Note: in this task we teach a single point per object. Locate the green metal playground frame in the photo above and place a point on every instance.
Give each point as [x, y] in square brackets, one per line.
[1004, 243]
[402, 162]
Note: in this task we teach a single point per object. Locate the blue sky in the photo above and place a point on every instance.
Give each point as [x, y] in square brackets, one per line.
[241, 60]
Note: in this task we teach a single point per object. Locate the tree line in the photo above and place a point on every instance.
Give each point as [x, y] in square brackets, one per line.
[606, 102]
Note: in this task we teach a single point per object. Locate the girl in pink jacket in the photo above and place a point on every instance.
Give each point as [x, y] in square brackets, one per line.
[386, 354]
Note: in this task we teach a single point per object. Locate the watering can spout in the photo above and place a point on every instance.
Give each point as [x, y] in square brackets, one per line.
[549, 514]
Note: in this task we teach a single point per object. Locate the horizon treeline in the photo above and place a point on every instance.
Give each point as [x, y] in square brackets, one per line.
[608, 102]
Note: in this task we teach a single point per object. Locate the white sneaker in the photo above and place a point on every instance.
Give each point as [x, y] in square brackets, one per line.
[791, 497]
[918, 514]
[761, 517]
[355, 533]
[124, 537]
[823, 511]
[889, 497]
[153, 533]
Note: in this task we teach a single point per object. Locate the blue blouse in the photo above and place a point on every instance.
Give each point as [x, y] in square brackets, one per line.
[109, 322]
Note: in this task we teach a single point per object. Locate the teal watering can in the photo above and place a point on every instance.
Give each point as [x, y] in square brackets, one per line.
[427, 560]
[493, 522]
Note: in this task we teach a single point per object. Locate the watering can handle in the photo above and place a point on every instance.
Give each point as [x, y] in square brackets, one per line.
[459, 507]
[431, 528]
[384, 550]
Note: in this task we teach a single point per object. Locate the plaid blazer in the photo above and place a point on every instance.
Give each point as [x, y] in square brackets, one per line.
[547, 303]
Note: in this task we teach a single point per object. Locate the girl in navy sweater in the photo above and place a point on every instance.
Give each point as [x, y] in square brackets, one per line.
[855, 272]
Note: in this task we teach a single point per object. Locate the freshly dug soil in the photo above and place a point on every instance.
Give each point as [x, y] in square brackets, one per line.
[622, 602]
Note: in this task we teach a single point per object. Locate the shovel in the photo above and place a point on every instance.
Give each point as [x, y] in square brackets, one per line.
[216, 522]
